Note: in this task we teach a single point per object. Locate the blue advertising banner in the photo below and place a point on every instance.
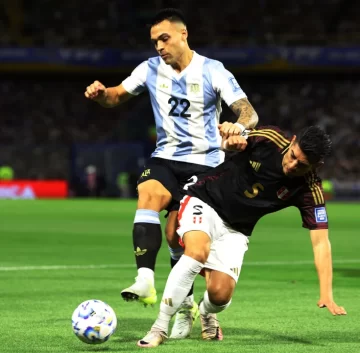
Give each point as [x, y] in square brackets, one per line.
[247, 57]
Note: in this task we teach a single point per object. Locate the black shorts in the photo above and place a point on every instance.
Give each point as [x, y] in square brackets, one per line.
[175, 176]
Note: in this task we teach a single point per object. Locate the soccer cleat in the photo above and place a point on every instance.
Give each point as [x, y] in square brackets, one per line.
[210, 328]
[185, 319]
[142, 291]
[152, 339]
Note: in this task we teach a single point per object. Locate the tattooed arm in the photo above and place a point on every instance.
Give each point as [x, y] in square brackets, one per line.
[245, 112]
[247, 119]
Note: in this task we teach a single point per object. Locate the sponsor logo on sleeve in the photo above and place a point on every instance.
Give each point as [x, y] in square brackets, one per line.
[234, 84]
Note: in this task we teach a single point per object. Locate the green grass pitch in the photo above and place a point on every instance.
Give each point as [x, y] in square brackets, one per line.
[56, 254]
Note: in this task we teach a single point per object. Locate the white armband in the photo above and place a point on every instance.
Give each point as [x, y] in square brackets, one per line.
[241, 127]
[244, 132]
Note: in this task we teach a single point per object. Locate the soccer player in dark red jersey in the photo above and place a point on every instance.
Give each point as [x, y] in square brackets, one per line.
[219, 213]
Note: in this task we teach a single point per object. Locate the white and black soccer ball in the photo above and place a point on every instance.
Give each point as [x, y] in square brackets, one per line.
[94, 321]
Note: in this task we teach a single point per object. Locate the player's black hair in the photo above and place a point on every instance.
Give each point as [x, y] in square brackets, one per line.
[314, 143]
[170, 14]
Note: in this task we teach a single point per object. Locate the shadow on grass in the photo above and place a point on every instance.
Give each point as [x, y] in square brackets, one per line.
[254, 337]
[347, 272]
[126, 333]
[91, 348]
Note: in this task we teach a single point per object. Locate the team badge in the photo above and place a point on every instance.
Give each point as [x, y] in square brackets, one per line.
[194, 88]
[320, 215]
[283, 193]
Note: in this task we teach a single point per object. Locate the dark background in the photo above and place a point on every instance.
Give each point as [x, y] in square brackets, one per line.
[48, 130]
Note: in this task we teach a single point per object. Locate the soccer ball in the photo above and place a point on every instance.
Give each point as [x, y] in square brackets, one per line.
[94, 321]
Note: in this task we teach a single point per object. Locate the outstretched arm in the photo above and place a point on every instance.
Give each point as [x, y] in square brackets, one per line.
[107, 97]
[323, 263]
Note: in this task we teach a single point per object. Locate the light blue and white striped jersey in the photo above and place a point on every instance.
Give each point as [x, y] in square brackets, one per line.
[187, 106]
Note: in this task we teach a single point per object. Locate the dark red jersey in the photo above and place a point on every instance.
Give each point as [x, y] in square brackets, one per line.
[252, 184]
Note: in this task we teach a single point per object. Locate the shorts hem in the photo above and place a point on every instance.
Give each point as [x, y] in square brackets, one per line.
[230, 273]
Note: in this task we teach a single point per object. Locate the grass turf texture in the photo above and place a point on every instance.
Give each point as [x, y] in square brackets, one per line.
[273, 310]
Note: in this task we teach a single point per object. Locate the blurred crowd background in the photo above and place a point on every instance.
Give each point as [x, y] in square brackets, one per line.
[122, 23]
[48, 130]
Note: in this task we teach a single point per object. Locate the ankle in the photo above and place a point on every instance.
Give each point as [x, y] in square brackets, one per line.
[147, 274]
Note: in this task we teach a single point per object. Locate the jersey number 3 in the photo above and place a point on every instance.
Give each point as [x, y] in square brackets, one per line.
[174, 102]
[255, 191]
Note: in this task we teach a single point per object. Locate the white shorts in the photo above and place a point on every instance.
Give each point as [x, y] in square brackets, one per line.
[228, 246]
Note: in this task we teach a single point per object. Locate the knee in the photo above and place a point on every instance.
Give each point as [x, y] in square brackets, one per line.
[198, 254]
[220, 294]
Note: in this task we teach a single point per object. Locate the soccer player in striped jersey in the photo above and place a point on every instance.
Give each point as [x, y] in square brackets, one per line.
[218, 216]
[186, 90]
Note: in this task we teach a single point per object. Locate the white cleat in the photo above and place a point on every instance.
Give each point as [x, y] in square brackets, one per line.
[184, 319]
[142, 290]
[153, 339]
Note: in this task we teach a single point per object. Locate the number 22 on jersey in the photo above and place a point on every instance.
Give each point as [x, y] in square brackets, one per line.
[184, 105]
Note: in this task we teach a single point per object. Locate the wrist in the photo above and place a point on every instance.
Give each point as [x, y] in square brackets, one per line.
[105, 94]
[103, 98]
[241, 127]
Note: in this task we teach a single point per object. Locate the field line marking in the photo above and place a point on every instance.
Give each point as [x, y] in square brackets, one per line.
[104, 266]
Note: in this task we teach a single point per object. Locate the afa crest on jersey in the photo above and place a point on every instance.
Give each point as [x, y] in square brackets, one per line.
[194, 88]
[283, 193]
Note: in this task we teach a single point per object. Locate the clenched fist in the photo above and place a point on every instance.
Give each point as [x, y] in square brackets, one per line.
[234, 143]
[228, 129]
[96, 91]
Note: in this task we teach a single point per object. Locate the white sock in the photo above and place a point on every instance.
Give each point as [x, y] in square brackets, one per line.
[146, 273]
[177, 287]
[207, 307]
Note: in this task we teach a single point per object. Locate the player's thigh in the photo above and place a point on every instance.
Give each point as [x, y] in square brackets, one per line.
[227, 255]
[195, 215]
[190, 173]
[197, 245]
[196, 225]
[187, 174]
[156, 185]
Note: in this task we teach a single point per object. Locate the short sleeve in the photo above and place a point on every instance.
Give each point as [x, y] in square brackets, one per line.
[136, 82]
[225, 84]
[311, 204]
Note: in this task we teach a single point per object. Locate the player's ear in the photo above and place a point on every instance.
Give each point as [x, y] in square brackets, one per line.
[184, 33]
[293, 139]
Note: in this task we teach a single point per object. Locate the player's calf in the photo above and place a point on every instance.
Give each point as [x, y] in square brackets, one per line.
[147, 238]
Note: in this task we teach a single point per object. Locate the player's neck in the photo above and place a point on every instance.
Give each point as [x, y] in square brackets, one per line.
[184, 61]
